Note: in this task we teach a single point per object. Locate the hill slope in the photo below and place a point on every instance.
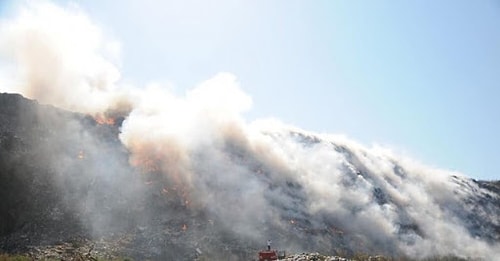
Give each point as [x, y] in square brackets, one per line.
[224, 192]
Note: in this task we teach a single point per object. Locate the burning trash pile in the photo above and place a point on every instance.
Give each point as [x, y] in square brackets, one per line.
[66, 177]
[187, 176]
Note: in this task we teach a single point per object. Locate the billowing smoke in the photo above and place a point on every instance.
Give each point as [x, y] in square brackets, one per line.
[61, 58]
[260, 180]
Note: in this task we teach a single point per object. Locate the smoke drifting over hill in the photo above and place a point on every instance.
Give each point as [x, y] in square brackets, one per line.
[257, 180]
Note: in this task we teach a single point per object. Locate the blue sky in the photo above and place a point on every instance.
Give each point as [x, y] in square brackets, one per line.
[420, 76]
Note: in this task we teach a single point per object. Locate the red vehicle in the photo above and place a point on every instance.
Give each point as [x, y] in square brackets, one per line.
[268, 255]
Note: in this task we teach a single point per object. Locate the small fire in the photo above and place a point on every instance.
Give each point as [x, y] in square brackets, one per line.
[81, 154]
[184, 227]
[104, 120]
[292, 221]
[147, 165]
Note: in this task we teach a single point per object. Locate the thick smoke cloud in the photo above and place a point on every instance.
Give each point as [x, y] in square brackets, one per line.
[343, 184]
[61, 57]
[251, 176]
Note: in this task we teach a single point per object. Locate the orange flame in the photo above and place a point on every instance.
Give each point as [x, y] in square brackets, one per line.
[145, 158]
[104, 120]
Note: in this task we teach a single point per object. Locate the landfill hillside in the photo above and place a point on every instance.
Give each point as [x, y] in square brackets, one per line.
[74, 184]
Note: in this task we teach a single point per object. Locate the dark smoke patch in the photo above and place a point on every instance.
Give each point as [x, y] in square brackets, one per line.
[61, 174]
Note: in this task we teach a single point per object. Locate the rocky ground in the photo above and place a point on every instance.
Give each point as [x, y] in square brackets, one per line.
[114, 249]
[314, 257]
[85, 250]
[77, 250]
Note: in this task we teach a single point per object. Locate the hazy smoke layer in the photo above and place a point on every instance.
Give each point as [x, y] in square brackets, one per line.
[252, 176]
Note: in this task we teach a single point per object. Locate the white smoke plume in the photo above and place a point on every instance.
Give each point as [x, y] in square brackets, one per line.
[250, 175]
[60, 57]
